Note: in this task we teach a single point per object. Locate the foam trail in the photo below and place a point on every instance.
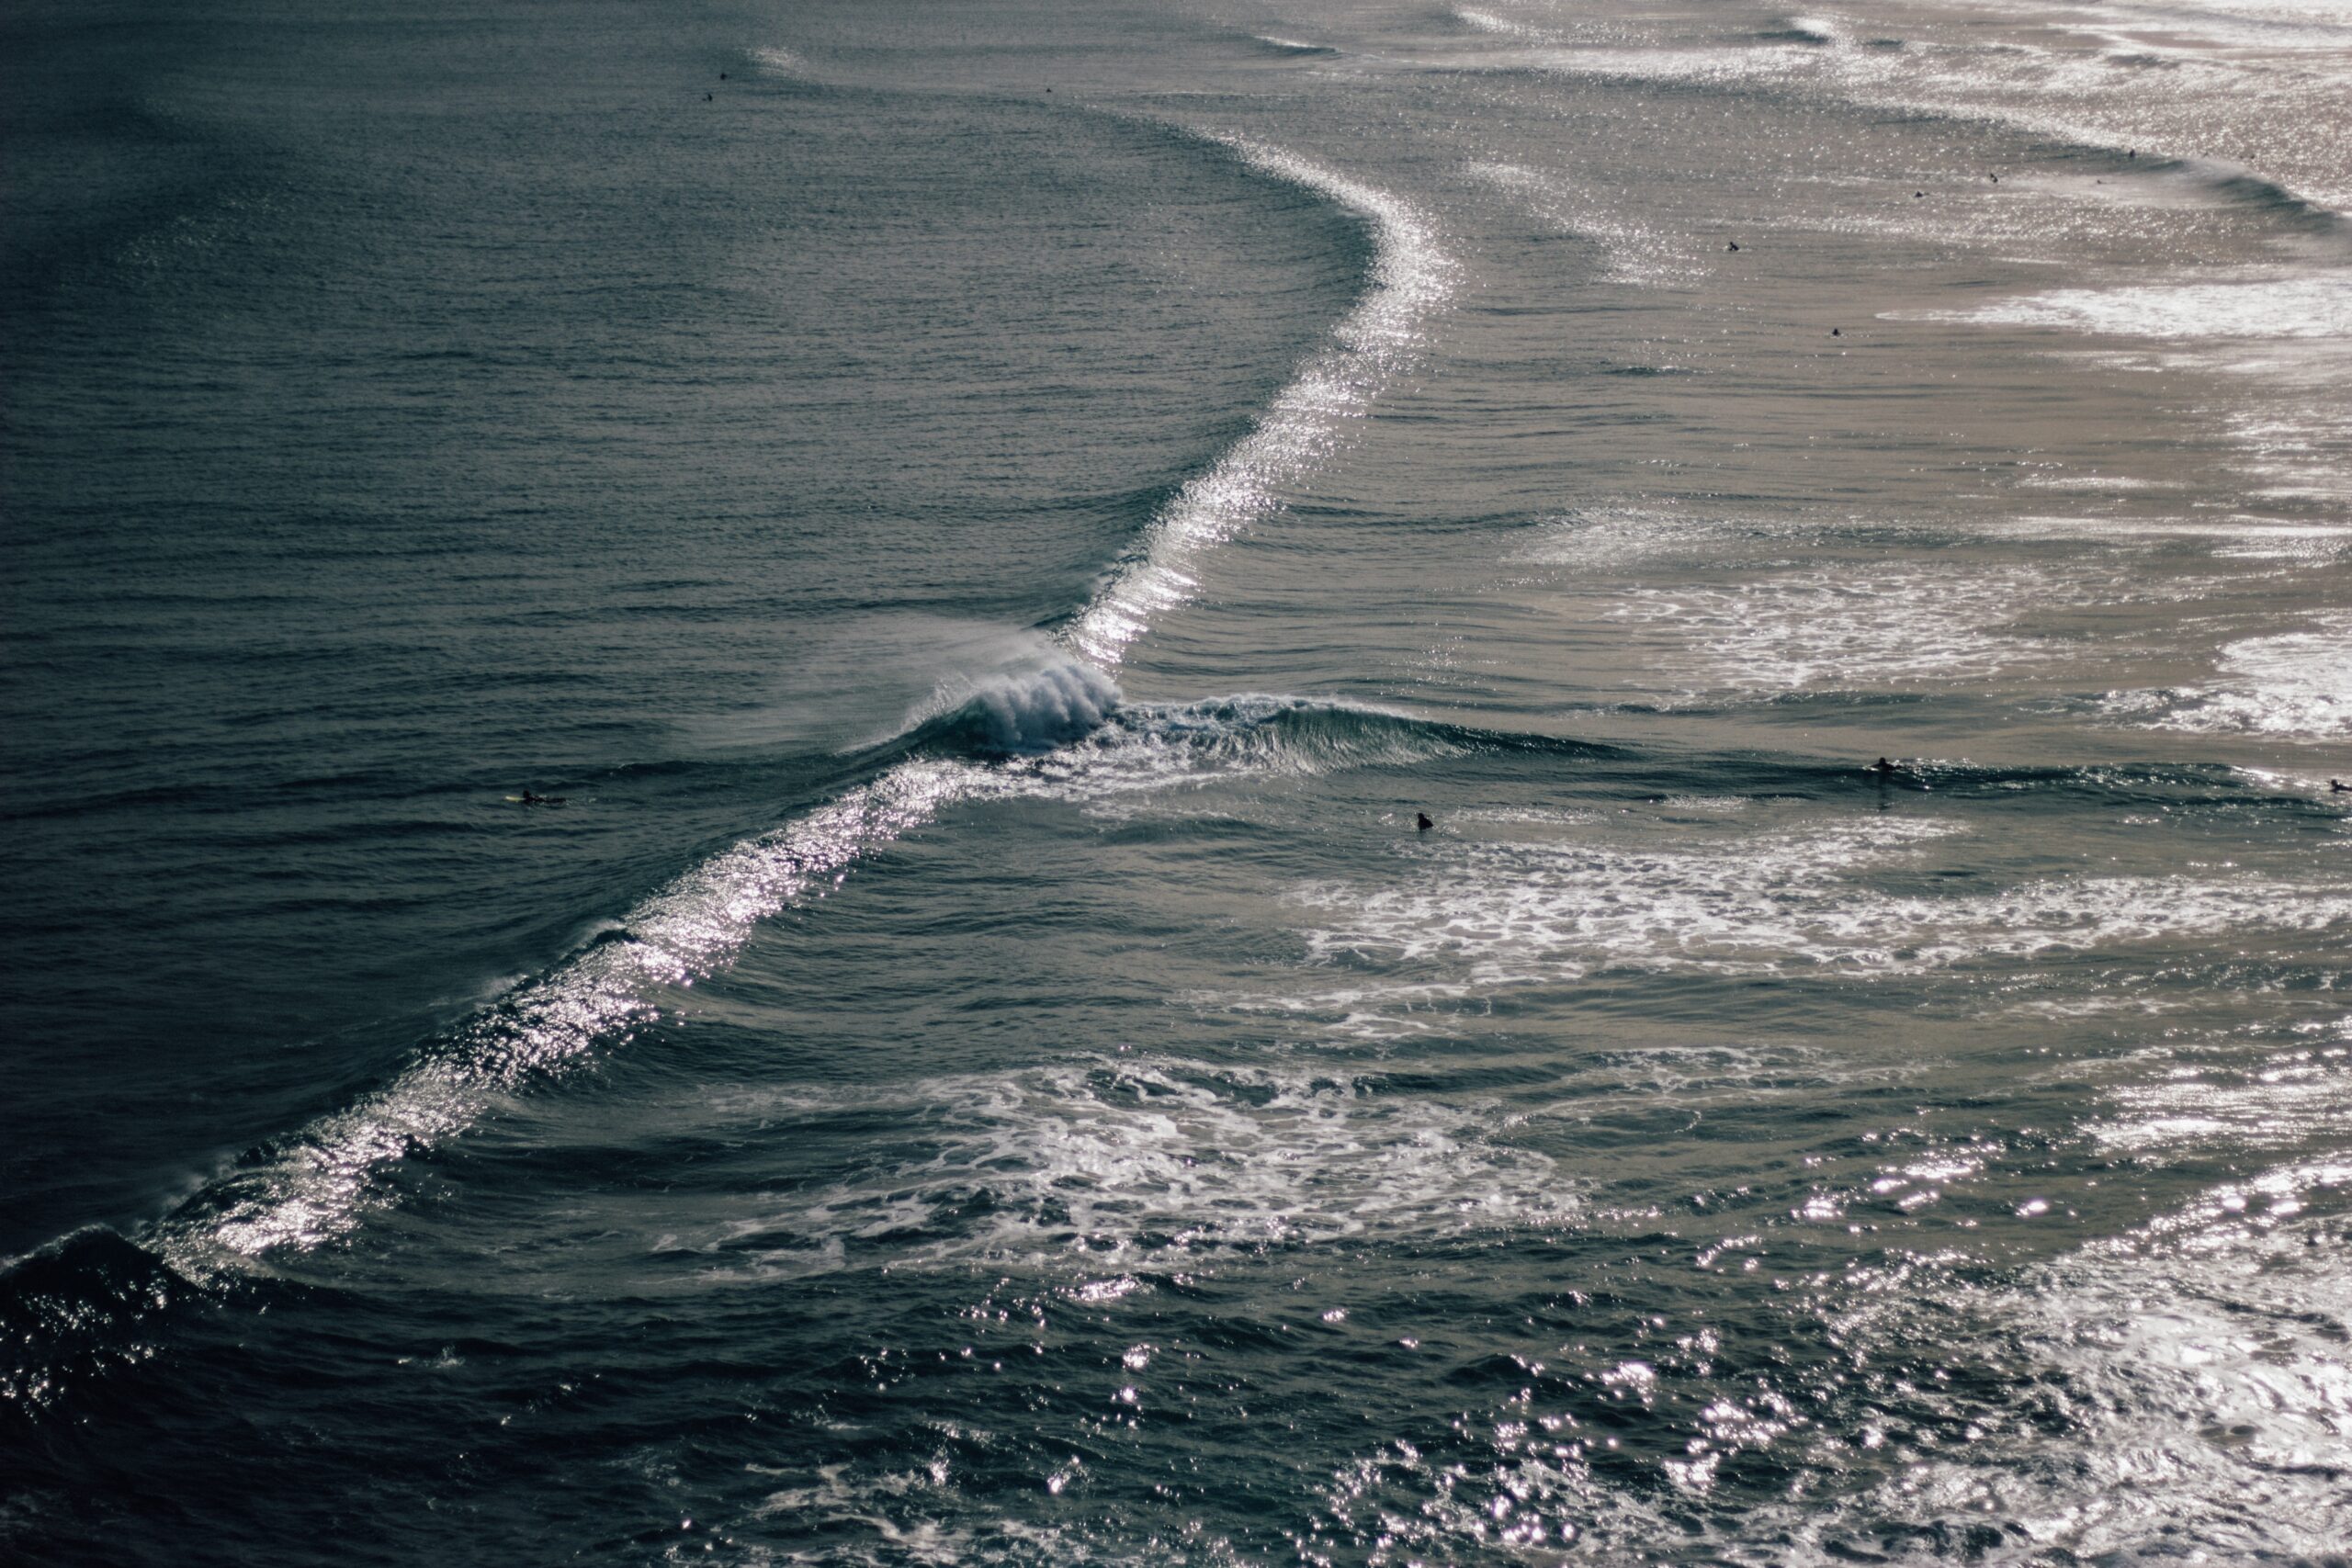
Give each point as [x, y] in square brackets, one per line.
[1411, 275]
[316, 1186]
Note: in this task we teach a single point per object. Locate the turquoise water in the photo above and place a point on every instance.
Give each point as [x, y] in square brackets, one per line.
[993, 525]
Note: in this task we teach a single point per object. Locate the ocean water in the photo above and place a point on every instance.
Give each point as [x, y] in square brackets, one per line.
[993, 520]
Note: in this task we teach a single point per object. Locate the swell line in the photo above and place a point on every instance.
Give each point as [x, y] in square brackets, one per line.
[1410, 277]
[317, 1186]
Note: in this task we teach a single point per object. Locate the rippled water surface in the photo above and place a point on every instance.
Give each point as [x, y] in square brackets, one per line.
[716, 722]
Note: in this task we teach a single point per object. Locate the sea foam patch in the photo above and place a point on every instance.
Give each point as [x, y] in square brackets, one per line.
[1116, 1162]
[1812, 630]
[1788, 902]
[2290, 306]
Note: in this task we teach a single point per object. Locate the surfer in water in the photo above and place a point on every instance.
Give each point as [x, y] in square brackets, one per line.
[1422, 822]
[533, 798]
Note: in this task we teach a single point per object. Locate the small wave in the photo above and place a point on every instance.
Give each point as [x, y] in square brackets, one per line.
[1487, 22]
[1816, 31]
[316, 1186]
[1412, 276]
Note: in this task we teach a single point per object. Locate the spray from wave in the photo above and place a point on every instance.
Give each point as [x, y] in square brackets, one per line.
[1019, 712]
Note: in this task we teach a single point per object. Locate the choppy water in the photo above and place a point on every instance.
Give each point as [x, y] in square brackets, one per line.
[994, 519]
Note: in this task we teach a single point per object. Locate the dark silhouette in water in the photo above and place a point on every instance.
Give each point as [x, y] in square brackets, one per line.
[1834, 332]
[1883, 769]
[532, 797]
[1733, 246]
[2337, 786]
[1421, 820]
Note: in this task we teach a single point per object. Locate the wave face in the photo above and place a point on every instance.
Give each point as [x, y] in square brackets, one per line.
[1540, 782]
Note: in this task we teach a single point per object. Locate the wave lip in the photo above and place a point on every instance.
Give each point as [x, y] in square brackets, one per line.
[1024, 712]
[1412, 276]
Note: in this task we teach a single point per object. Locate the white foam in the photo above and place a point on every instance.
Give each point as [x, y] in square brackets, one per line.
[2297, 686]
[1102, 1165]
[2287, 307]
[1790, 902]
[2208, 1402]
[1814, 630]
[2181, 1393]
[1412, 276]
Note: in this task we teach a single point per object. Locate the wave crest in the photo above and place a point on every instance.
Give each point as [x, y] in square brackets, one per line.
[1031, 710]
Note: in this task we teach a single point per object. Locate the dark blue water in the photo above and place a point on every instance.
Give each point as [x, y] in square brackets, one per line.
[987, 526]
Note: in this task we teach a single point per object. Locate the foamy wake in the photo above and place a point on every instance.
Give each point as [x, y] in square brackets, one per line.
[2283, 307]
[2206, 1397]
[1412, 276]
[2180, 1395]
